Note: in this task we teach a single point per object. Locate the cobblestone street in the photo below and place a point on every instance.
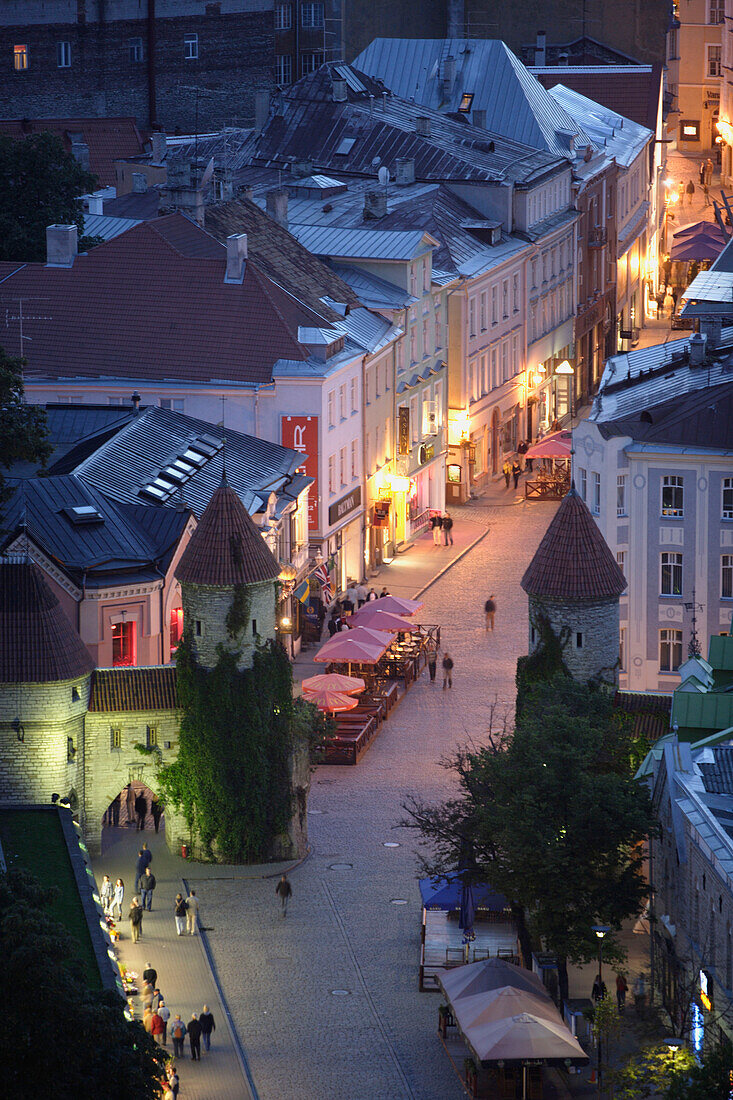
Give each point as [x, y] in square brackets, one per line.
[326, 1001]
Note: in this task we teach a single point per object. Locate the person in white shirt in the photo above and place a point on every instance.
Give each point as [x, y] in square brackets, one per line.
[192, 914]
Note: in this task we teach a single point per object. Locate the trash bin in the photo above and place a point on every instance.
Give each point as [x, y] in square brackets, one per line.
[184, 851]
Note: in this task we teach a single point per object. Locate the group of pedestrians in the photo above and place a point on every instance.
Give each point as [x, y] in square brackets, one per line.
[157, 1019]
[441, 523]
[186, 911]
[199, 1029]
[516, 468]
[599, 992]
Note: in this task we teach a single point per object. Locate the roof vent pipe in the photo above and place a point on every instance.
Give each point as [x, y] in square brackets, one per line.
[375, 204]
[277, 206]
[339, 91]
[236, 257]
[540, 50]
[61, 245]
[404, 171]
[422, 125]
[478, 118]
[136, 402]
[698, 344]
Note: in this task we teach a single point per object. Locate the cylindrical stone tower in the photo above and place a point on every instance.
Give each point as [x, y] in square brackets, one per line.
[574, 581]
[228, 574]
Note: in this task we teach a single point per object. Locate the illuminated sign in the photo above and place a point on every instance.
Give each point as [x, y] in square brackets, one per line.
[706, 991]
[403, 430]
[690, 130]
[301, 433]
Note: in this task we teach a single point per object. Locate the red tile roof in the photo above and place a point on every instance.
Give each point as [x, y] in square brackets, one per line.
[109, 139]
[152, 304]
[226, 548]
[633, 95]
[38, 644]
[127, 689]
[573, 561]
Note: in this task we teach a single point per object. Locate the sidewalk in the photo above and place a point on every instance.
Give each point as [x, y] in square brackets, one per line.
[184, 975]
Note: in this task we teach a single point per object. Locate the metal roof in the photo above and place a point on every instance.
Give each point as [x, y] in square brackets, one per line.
[619, 137]
[363, 244]
[516, 104]
[374, 292]
[104, 225]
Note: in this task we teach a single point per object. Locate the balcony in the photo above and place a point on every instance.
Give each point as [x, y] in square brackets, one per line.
[598, 237]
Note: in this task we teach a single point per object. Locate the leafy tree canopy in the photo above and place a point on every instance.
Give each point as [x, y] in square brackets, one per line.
[552, 818]
[57, 1034]
[709, 1081]
[23, 428]
[40, 185]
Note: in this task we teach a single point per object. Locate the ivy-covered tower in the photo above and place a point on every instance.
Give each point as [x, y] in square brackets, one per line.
[228, 576]
[574, 583]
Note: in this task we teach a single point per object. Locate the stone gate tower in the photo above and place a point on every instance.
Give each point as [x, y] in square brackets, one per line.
[574, 581]
[228, 575]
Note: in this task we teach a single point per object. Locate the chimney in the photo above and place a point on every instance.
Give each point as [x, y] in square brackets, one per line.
[95, 204]
[80, 152]
[449, 74]
[136, 402]
[236, 257]
[247, 193]
[277, 206]
[698, 344]
[422, 125]
[139, 183]
[262, 109]
[404, 171]
[61, 245]
[160, 146]
[339, 91]
[540, 50]
[710, 327]
[375, 204]
[478, 118]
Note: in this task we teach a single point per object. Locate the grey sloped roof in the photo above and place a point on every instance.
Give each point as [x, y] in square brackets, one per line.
[619, 137]
[361, 244]
[373, 291]
[516, 104]
[104, 225]
[699, 418]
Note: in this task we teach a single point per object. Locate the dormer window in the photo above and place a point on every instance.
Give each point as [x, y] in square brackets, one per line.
[466, 101]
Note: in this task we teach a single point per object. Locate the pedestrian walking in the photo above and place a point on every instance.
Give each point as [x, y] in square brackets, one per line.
[192, 907]
[130, 804]
[372, 596]
[447, 671]
[598, 993]
[507, 471]
[284, 891]
[702, 172]
[640, 995]
[148, 994]
[669, 302]
[333, 625]
[117, 898]
[362, 592]
[206, 1020]
[147, 885]
[490, 611]
[621, 988]
[165, 1014]
[106, 893]
[447, 528]
[384, 592]
[706, 193]
[141, 810]
[157, 811]
[708, 171]
[516, 471]
[178, 1034]
[136, 919]
[690, 189]
[436, 524]
[522, 449]
[150, 974]
[157, 1028]
[432, 661]
[140, 864]
[147, 1018]
[173, 1081]
[180, 909]
[113, 814]
[194, 1037]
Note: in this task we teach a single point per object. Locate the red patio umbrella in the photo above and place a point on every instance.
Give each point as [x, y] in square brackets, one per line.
[398, 605]
[556, 445]
[333, 701]
[382, 620]
[333, 681]
[359, 645]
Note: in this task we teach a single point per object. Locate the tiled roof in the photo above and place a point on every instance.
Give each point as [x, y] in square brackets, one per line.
[573, 561]
[109, 139]
[226, 548]
[125, 689]
[152, 304]
[38, 644]
[650, 712]
[718, 777]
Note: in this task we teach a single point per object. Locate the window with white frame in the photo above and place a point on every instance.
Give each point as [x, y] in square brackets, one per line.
[515, 355]
[714, 60]
[342, 402]
[716, 11]
[425, 339]
[400, 353]
[596, 498]
[471, 316]
[582, 483]
[484, 380]
[494, 305]
[175, 404]
[621, 560]
[283, 17]
[515, 293]
[386, 438]
[353, 396]
[622, 648]
[377, 447]
[190, 47]
[135, 49]
[414, 425]
[63, 55]
[354, 463]
[727, 501]
[726, 577]
[672, 501]
[439, 404]
[367, 385]
[413, 345]
[670, 650]
[413, 286]
[332, 474]
[311, 15]
[330, 407]
[484, 305]
[505, 299]
[621, 494]
[494, 368]
[505, 360]
[438, 331]
[342, 466]
[670, 581]
[425, 276]
[309, 62]
[283, 69]
[20, 58]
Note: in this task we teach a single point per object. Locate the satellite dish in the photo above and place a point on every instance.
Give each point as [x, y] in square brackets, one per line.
[383, 175]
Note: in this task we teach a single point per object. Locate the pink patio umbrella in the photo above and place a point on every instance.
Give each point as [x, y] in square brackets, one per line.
[556, 445]
[332, 701]
[397, 605]
[360, 645]
[382, 620]
[333, 681]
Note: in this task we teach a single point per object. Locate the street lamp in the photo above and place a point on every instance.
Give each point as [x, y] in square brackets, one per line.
[600, 930]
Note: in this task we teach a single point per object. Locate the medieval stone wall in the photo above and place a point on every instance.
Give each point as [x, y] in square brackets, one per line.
[205, 610]
[592, 630]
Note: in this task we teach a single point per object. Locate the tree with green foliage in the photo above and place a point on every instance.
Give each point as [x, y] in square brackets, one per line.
[40, 184]
[58, 1035]
[231, 778]
[23, 428]
[710, 1079]
[552, 817]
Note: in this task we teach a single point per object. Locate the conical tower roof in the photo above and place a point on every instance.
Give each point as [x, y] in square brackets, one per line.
[37, 642]
[573, 561]
[226, 548]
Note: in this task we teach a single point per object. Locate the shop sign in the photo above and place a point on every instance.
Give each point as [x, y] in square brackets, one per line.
[342, 507]
[454, 473]
[301, 433]
[380, 514]
[426, 453]
[403, 430]
[706, 990]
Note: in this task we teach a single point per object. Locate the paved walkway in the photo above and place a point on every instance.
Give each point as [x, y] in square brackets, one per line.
[184, 976]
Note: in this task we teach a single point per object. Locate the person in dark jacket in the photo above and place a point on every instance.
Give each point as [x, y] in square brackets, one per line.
[436, 523]
[180, 911]
[206, 1020]
[284, 891]
[194, 1038]
[150, 974]
[147, 885]
[447, 671]
[157, 811]
[141, 810]
[598, 993]
[516, 471]
[447, 528]
[333, 625]
[432, 661]
[141, 864]
[136, 920]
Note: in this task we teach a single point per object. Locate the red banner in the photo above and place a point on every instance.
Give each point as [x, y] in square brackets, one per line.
[301, 433]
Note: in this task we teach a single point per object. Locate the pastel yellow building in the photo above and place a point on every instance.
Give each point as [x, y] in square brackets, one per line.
[694, 74]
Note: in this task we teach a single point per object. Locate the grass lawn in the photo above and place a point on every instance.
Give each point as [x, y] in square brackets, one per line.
[33, 841]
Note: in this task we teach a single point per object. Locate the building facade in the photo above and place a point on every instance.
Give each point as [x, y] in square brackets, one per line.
[695, 74]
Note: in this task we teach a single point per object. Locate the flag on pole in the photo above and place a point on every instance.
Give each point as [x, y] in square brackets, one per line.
[322, 576]
[303, 591]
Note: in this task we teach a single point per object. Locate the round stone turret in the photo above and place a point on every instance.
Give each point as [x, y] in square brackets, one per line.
[574, 582]
[227, 574]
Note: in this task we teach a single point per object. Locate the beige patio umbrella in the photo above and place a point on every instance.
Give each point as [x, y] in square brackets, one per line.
[522, 1038]
[488, 974]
